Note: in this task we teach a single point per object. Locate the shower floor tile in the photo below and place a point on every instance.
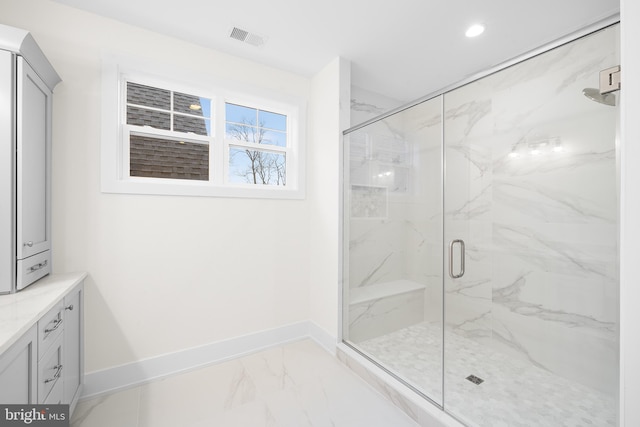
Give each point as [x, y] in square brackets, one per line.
[513, 393]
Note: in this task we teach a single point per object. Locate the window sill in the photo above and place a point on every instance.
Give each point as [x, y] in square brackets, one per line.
[200, 189]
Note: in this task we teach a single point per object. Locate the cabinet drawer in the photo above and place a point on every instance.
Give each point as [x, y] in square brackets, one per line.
[50, 369]
[50, 328]
[55, 395]
[33, 268]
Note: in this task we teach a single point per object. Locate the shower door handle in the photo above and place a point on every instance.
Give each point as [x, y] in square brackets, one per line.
[461, 271]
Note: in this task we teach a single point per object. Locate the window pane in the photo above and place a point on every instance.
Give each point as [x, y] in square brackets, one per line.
[273, 138]
[191, 104]
[243, 133]
[148, 96]
[197, 125]
[239, 114]
[256, 167]
[144, 117]
[273, 121]
[166, 158]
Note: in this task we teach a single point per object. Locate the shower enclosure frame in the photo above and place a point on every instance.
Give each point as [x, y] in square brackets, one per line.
[343, 249]
[597, 26]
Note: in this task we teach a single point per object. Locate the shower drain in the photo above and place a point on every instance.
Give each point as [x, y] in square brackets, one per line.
[475, 380]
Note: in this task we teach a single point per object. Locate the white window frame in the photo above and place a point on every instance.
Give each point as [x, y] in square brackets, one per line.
[289, 151]
[115, 134]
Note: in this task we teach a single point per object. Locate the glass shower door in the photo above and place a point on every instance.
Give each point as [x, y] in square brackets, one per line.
[392, 284]
[530, 226]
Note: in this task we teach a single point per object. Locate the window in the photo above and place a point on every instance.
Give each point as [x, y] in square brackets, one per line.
[257, 145]
[193, 140]
[169, 133]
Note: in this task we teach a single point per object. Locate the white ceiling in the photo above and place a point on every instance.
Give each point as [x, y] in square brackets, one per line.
[403, 49]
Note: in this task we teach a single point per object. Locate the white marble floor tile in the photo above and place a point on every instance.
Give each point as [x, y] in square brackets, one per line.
[295, 385]
[255, 414]
[119, 409]
[191, 397]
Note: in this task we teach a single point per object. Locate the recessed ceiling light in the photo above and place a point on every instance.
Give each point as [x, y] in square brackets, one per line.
[474, 30]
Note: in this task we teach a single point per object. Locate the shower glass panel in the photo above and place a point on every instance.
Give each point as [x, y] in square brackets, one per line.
[481, 242]
[531, 327]
[392, 284]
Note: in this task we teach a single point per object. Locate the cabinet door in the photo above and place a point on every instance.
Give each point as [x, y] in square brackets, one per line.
[7, 171]
[33, 162]
[18, 371]
[73, 346]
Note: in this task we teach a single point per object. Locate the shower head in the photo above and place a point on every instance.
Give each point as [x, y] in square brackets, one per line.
[595, 95]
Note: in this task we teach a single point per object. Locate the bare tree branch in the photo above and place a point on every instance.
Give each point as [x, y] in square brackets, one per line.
[264, 167]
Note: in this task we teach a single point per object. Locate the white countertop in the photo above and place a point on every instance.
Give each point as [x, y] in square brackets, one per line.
[22, 310]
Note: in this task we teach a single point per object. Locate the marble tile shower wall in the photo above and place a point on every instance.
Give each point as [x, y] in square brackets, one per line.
[531, 188]
[395, 214]
[425, 217]
[366, 105]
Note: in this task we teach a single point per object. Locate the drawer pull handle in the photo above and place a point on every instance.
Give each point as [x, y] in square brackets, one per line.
[58, 369]
[37, 267]
[29, 243]
[70, 307]
[56, 325]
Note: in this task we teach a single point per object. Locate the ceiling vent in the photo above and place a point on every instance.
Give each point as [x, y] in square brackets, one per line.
[247, 37]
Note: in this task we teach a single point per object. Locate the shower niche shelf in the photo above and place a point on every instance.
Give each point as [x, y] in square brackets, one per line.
[381, 160]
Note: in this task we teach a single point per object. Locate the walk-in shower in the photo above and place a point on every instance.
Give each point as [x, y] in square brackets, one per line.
[481, 243]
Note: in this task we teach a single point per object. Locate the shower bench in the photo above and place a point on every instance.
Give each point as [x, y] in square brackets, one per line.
[381, 308]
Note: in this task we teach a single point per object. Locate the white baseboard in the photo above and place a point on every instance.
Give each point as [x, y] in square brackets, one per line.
[140, 372]
[322, 337]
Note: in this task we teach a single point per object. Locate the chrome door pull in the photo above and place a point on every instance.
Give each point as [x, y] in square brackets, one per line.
[56, 325]
[461, 272]
[38, 266]
[58, 369]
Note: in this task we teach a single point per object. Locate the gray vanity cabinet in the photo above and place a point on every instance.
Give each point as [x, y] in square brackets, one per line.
[60, 339]
[45, 364]
[73, 350]
[33, 136]
[19, 371]
[27, 80]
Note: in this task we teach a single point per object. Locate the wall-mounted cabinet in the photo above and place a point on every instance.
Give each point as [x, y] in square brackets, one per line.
[27, 80]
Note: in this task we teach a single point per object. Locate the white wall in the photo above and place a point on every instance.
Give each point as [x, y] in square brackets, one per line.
[630, 214]
[169, 273]
[326, 125]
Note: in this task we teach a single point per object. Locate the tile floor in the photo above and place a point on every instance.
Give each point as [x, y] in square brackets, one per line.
[294, 385]
[514, 393]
